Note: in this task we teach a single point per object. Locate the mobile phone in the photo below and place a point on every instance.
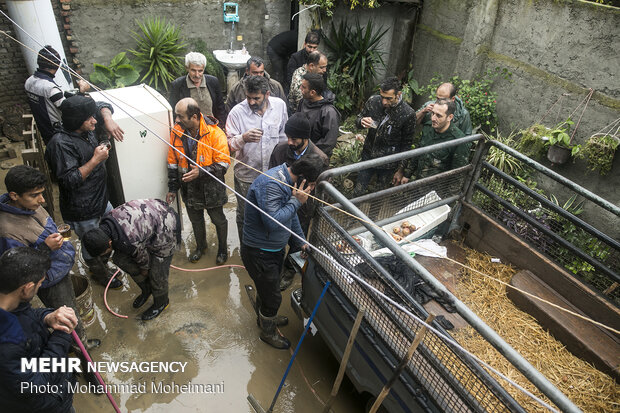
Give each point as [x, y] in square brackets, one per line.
[300, 179]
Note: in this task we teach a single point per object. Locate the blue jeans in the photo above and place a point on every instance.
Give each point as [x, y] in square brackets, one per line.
[82, 227]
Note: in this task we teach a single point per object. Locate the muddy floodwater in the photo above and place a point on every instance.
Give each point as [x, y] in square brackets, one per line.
[210, 325]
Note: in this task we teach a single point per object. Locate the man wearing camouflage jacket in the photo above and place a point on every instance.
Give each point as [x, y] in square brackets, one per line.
[144, 234]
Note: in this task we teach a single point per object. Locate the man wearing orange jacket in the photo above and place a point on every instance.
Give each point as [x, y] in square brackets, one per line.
[199, 138]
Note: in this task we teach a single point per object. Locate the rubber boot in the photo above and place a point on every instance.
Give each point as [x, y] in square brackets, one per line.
[144, 295]
[100, 273]
[287, 276]
[281, 320]
[222, 247]
[159, 305]
[200, 233]
[270, 335]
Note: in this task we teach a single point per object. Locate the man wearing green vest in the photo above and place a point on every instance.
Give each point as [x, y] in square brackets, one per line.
[447, 91]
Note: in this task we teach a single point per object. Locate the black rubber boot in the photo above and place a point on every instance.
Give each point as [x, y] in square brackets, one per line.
[144, 295]
[222, 246]
[159, 305]
[288, 275]
[281, 320]
[270, 335]
[100, 274]
[200, 234]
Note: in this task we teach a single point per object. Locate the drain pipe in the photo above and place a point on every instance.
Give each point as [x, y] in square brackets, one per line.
[38, 17]
[516, 359]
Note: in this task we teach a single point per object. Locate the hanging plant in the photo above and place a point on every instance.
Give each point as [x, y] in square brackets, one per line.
[599, 150]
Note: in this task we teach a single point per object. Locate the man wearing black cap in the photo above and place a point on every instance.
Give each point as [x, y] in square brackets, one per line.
[78, 162]
[299, 145]
[45, 97]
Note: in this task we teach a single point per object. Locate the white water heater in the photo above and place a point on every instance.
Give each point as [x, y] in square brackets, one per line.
[137, 167]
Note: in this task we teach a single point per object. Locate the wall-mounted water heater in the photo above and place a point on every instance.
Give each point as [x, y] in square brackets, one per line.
[231, 12]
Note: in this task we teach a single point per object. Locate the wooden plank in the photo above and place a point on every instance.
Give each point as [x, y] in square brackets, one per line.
[582, 338]
[484, 234]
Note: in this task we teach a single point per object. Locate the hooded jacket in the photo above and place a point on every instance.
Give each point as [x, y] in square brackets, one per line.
[461, 119]
[324, 121]
[80, 199]
[24, 228]
[142, 228]
[23, 333]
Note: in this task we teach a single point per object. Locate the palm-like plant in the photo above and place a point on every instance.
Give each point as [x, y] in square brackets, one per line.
[358, 55]
[159, 51]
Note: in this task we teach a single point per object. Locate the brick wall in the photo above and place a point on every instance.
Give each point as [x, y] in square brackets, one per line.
[13, 72]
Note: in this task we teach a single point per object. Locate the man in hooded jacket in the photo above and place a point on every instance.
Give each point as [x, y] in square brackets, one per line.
[318, 106]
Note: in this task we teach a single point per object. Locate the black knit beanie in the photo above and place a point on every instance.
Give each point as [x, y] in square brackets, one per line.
[75, 110]
[48, 58]
[298, 126]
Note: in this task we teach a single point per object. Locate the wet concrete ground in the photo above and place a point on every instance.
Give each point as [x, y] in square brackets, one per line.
[211, 325]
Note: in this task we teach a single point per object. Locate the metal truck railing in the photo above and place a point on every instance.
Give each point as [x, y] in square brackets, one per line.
[555, 229]
[452, 380]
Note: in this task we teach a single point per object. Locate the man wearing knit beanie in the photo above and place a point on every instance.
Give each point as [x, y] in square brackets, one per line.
[299, 145]
[45, 96]
[78, 161]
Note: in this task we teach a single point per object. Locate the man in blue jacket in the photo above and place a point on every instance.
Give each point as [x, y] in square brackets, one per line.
[24, 334]
[25, 223]
[264, 239]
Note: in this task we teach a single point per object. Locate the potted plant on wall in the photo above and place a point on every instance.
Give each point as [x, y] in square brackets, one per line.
[560, 143]
[599, 150]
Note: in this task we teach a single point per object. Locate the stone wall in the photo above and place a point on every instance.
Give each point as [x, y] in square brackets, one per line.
[551, 48]
[102, 28]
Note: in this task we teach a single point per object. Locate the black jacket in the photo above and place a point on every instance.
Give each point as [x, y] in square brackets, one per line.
[324, 122]
[179, 90]
[24, 334]
[80, 199]
[298, 59]
[394, 133]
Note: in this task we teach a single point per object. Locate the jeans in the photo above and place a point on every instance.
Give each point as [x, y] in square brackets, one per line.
[242, 188]
[61, 294]
[264, 268]
[82, 227]
[158, 271]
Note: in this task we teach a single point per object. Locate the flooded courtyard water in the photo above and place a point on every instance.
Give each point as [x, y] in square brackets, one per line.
[210, 325]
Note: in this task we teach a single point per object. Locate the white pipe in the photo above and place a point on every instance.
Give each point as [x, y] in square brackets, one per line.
[37, 17]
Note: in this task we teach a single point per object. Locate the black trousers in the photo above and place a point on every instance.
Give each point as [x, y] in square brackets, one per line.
[264, 268]
[197, 218]
[158, 272]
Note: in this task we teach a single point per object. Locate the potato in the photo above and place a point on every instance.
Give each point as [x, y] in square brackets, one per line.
[412, 228]
[406, 231]
[396, 230]
[405, 224]
[397, 238]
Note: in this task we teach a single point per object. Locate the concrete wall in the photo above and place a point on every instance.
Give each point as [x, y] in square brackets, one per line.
[399, 20]
[551, 48]
[102, 28]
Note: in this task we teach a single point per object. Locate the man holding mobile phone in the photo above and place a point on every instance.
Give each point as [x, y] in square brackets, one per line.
[266, 232]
